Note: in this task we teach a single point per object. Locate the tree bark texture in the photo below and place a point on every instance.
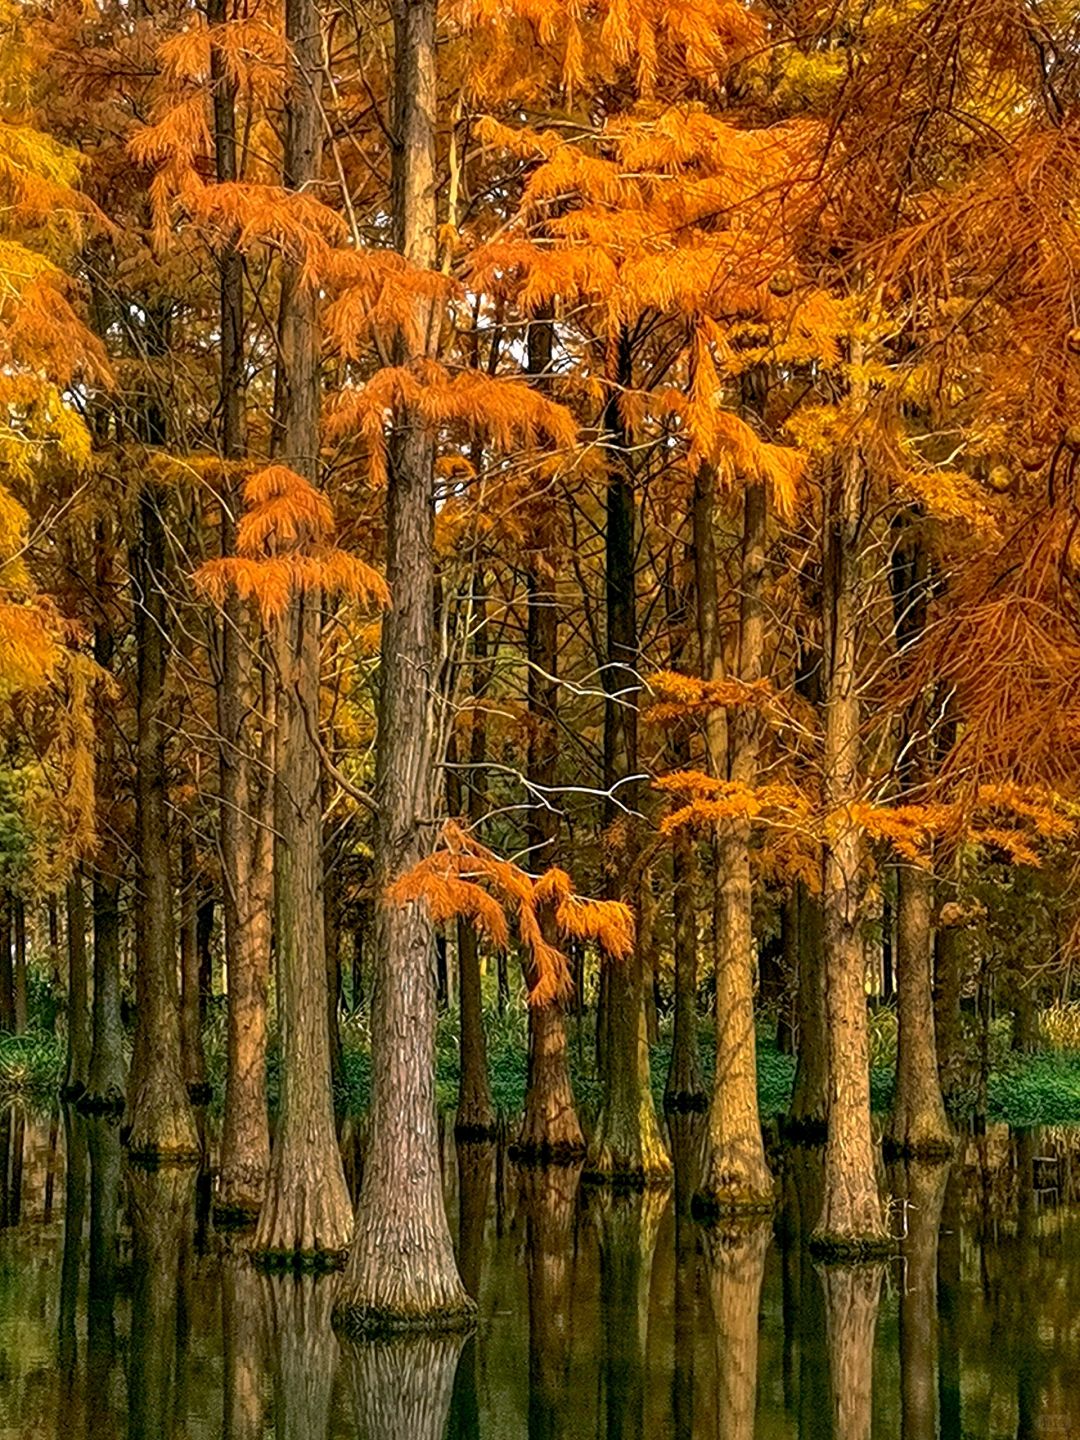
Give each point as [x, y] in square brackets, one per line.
[162, 1126]
[852, 1222]
[77, 1072]
[918, 1125]
[307, 1211]
[735, 1175]
[401, 1272]
[627, 1143]
[401, 1386]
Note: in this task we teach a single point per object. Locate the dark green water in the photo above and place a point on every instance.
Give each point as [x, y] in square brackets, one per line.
[122, 1313]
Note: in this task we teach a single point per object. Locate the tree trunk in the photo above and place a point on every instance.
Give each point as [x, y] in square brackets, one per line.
[7, 971]
[735, 1175]
[306, 1211]
[20, 991]
[475, 1112]
[852, 1222]
[401, 1272]
[809, 1101]
[735, 1263]
[162, 1126]
[78, 1042]
[550, 1129]
[246, 850]
[627, 1143]
[786, 1025]
[918, 1125]
[191, 1041]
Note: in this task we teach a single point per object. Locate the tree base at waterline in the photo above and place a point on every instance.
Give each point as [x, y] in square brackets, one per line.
[832, 1248]
[110, 1103]
[685, 1102]
[546, 1152]
[361, 1321]
[931, 1148]
[298, 1262]
[476, 1131]
[804, 1130]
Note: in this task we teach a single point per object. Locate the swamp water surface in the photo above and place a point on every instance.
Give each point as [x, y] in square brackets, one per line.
[602, 1317]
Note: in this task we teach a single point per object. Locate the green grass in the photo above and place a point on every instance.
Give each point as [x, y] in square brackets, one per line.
[1024, 1090]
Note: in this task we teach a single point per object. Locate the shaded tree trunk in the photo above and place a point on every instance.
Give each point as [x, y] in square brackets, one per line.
[627, 1143]
[191, 1042]
[306, 1210]
[735, 1175]
[917, 1125]
[550, 1128]
[77, 1072]
[162, 1126]
[852, 1222]
[401, 1272]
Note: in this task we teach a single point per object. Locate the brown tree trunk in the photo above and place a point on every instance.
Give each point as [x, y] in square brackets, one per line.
[7, 971]
[78, 1041]
[735, 1263]
[306, 1210]
[627, 1143]
[162, 1126]
[191, 1041]
[786, 1024]
[21, 999]
[550, 1128]
[918, 1125]
[475, 1112]
[809, 1101]
[105, 1088]
[948, 987]
[245, 831]
[852, 1296]
[852, 1222]
[734, 1175]
[401, 1272]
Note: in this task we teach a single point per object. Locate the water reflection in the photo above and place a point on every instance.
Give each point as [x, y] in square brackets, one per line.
[603, 1316]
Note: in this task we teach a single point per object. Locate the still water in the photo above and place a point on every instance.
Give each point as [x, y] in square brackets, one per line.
[123, 1314]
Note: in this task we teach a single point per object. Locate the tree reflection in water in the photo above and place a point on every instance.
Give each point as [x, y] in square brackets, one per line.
[303, 1350]
[921, 1188]
[400, 1387]
[735, 1265]
[549, 1193]
[852, 1296]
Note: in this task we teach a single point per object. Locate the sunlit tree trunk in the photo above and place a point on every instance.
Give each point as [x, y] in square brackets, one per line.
[307, 1210]
[735, 1175]
[852, 1222]
[401, 1272]
[627, 1142]
[77, 1072]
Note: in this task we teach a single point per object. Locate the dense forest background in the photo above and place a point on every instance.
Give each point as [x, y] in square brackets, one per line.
[549, 502]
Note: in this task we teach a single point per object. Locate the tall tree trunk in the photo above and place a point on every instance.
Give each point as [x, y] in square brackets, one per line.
[162, 1126]
[78, 1027]
[18, 908]
[307, 1210]
[917, 1125]
[105, 1089]
[550, 1128]
[7, 971]
[627, 1143]
[735, 1175]
[948, 987]
[475, 1112]
[191, 1041]
[401, 1272]
[245, 831]
[852, 1222]
[809, 1112]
